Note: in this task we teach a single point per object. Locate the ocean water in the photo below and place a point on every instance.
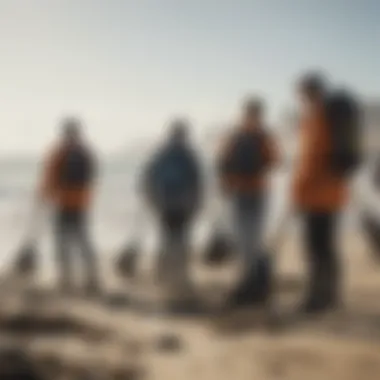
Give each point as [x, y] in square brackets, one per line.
[118, 213]
[113, 215]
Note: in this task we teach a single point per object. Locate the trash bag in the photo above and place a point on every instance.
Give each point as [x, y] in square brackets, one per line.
[219, 249]
[26, 261]
[127, 261]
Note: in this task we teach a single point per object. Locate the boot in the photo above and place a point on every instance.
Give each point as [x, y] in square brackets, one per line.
[318, 303]
[324, 294]
[255, 289]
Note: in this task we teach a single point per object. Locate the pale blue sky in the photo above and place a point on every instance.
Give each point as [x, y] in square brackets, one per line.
[127, 66]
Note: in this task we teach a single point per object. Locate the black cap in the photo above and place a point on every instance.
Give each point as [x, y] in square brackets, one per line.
[253, 105]
[71, 125]
[313, 82]
[179, 128]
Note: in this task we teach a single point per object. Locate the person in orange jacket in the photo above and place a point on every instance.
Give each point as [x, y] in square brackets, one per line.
[244, 163]
[67, 185]
[319, 194]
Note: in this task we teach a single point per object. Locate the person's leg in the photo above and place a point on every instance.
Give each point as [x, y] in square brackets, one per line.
[164, 245]
[249, 224]
[181, 256]
[330, 268]
[320, 243]
[87, 250]
[249, 227]
[63, 246]
[173, 260]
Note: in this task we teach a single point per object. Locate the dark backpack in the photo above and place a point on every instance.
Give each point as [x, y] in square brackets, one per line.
[246, 158]
[76, 168]
[344, 120]
[174, 180]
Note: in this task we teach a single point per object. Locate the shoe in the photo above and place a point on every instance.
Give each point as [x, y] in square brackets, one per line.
[256, 289]
[317, 305]
[323, 295]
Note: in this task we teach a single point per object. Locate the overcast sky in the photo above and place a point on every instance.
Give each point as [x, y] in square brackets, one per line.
[127, 66]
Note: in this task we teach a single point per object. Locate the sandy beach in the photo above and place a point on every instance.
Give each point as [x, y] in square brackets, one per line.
[78, 338]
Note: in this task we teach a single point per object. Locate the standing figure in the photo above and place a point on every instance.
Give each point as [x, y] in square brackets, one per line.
[244, 166]
[172, 184]
[67, 184]
[329, 153]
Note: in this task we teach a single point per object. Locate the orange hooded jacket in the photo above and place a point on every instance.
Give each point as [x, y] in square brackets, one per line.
[315, 187]
[77, 199]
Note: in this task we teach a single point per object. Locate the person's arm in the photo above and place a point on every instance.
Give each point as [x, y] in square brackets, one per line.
[313, 154]
[94, 173]
[48, 185]
[271, 151]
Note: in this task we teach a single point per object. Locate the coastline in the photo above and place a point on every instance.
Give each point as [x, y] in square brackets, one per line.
[86, 335]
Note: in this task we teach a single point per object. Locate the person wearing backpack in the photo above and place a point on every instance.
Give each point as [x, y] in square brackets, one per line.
[329, 155]
[67, 185]
[244, 164]
[173, 187]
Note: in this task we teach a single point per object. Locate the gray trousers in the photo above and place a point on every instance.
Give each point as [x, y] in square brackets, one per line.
[249, 222]
[173, 271]
[71, 233]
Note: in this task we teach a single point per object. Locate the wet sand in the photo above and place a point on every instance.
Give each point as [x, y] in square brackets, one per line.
[78, 338]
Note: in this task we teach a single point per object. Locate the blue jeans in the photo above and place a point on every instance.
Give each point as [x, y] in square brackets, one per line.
[249, 222]
[70, 233]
